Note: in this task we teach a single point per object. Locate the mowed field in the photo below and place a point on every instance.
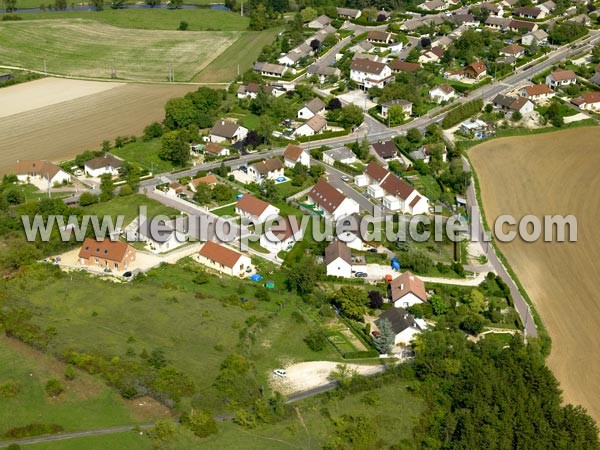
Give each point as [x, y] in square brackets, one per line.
[87, 48]
[554, 173]
[57, 130]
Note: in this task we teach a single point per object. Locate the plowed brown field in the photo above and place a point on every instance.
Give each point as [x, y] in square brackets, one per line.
[555, 173]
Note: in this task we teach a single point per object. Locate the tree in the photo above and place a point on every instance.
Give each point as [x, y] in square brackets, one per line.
[334, 103]
[475, 301]
[203, 194]
[258, 18]
[98, 4]
[180, 113]
[596, 54]
[107, 187]
[303, 275]
[351, 116]
[105, 146]
[200, 422]
[87, 198]
[152, 3]
[351, 302]
[385, 341]
[315, 44]
[308, 14]
[157, 358]
[11, 5]
[54, 387]
[316, 339]
[174, 147]
[438, 305]
[183, 26]
[69, 372]
[375, 299]
[472, 324]
[516, 116]
[414, 135]
[554, 114]
[154, 130]
[61, 5]
[265, 128]
[396, 115]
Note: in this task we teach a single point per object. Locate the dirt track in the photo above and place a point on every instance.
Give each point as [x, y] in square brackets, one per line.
[555, 173]
[63, 129]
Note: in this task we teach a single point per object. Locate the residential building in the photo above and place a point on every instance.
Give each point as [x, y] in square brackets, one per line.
[320, 22]
[466, 20]
[401, 196]
[511, 105]
[268, 169]
[341, 154]
[540, 37]
[330, 202]
[432, 55]
[224, 259]
[227, 131]
[404, 104]
[498, 23]
[252, 208]
[514, 50]
[404, 326]
[473, 126]
[530, 12]
[495, 9]
[176, 189]
[547, 7]
[340, 262]
[361, 47]
[561, 77]
[270, 70]
[425, 152]
[158, 236]
[294, 154]
[537, 92]
[282, 236]
[380, 37]
[214, 149]
[368, 74]
[385, 150]
[41, 173]
[311, 108]
[402, 66]
[251, 90]
[209, 180]
[373, 174]
[348, 13]
[315, 125]
[474, 71]
[433, 5]
[105, 164]
[107, 254]
[522, 26]
[407, 290]
[590, 101]
[442, 93]
[294, 56]
[323, 72]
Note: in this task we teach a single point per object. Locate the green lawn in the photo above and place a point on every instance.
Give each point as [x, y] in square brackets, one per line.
[129, 207]
[129, 440]
[225, 211]
[86, 403]
[145, 155]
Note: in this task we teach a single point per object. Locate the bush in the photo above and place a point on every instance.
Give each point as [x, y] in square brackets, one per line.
[87, 198]
[472, 324]
[183, 25]
[200, 422]
[34, 429]
[125, 191]
[316, 339]
[10, 389]
[54, 387]
[154, 130]
[69, 372]
[462, 112]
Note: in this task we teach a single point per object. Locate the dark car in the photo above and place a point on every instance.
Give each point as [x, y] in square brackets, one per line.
[127, 274]
[372, 250]
[244, 169]
[360, 274]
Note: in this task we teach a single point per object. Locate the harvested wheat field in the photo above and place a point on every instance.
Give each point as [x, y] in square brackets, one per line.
[44, 127]
[554, 173]
[87, 48]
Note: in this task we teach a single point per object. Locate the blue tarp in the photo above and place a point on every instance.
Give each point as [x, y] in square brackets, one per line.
[395, 264]
[256, 277]
[239, 196]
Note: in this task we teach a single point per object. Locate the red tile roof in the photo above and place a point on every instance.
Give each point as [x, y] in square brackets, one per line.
[366, 66]
[397, 187]
[406, 283]
[105, 249]
[403, 66]
[292, 152]
[208, 179]
[252, 205]
[38, 167]
[326, 196]
[538, 89]
[562, 74]
[219, 254]
[591, 97]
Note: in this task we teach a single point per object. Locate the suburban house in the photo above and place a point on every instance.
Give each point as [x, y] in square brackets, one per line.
[425, 152]
[322, 72]
[113, 255]
[41, 173]
[373, 175]
[250, 207]
[590, 101]
[404, 104]
[251, 90]
[361, 47]
[348, 13]
[332, 203]
[270, 70]
[342, 155]
[432, 55]
[294, 154]
[315, 125]
[223, 259]
[528, 12]
[311, 109]
[209, 180]
[402, 66]
[404, 325]
[385, 150]
[282, 235]
[340, 262]
[380, 37]
[159, 237]
[294, 56]
[433, 5]
[537, 92]
[106, 164]
[514, 50]
[227, 131]
[547, 7]
[561, 77]
[495, 9]
[442, 93]
[268, 169]
[521, 26]
[368, 74]
[320, 22]
[407, 290]
[498, 23]
[176, 189]
[214, 149]
[521, 105]
[540, 37]
[473, 127]
[474, 71]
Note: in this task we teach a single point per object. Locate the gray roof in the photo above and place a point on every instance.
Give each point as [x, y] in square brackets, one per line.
[270, 68]
[224, 128]
[338, 249]
[315, 105]
[106, 160]
[339, 154]
[319, 69]
[399, 318]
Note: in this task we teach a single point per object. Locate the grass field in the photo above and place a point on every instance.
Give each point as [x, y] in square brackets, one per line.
[129, 440]
[89, 48]
[145, 155]
[554, 173]
[149, 19]
[129, 207]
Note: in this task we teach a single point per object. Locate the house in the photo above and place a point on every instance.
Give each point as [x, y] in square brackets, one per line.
[293, 155]
[223, 259]
[227, 131]
[509, 3]
[348, 13]
[295, 55]
[561, 77]
[473, 127]
[158, 236]
[320, 22]
[112, 255]
[268, 169]
[315, 125]
[368, 74]
[582, 19]
[209, 180]
[498, 23]
[425, 152]
[270, 70]
[407, 290]
[442, 93]
[539, 37]
[41, 173]
[401, 196]
[433, 5]
[521, 105]
[252, 208]
[362, 46]
[537, 92]
[323, 72]
[432, 55]
[251, 90]
[312, 108]
[466, 20]
[530, 12]
[106, 164]
[547, 7]
[282, 236]
[214, 149]
[595, 79]
[402, 66]
[176, 189]
[330, 202]
[522, 26]
[474, 71]
[404, 104]
[342, 155]
[591, 101]
[404, 326]
[442, 42]
[380, 37]
[495, 9]
[340, 262]
[514, 50]
[385, 150]
[373, 174]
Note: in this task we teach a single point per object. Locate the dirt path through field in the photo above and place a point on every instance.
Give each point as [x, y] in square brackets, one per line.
[554, 173]
[62, 129]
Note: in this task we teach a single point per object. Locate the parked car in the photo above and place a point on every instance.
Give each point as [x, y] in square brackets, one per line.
[372, 250]
[244, 169]
[361, 274]
[280, 373]
[345, 178]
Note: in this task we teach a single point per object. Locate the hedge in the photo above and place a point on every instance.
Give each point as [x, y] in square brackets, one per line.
[361, 354]
[327, 135]
[462, 112]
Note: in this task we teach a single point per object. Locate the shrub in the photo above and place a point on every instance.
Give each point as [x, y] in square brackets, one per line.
[69, 372]
[10, 389]
[183, 25]
[34, 429]
[316, 339]
[200, 422]
[54, 387]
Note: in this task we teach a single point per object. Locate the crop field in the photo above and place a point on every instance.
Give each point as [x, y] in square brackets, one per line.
[554, 173]
[58, 130]
[87, 48]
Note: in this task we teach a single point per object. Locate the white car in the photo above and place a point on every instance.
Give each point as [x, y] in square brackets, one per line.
[280, 373]
[345, 178]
